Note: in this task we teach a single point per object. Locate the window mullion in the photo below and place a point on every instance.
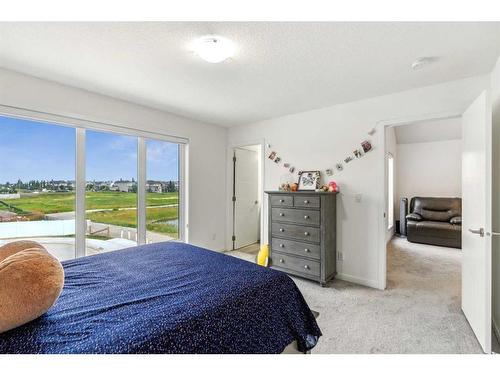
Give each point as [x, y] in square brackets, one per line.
[141, 191]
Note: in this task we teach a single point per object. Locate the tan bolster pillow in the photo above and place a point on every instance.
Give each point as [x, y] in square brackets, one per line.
[31, 280]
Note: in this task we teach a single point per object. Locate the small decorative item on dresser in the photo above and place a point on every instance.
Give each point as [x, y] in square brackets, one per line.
[329, 172]
[339, 166]
[309, 180]
[272, 155]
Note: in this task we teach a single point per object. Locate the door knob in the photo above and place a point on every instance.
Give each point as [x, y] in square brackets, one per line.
[282, 230]
[306, 201]
[306, 217]
[306, 233]
[306, 267]
[282, 214]
[479, 231]
[282, 245]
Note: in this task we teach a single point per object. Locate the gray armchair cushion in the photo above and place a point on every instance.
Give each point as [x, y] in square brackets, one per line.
[414, 217]
[457, 220]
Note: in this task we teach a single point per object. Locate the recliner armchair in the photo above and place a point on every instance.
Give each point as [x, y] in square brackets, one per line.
[435, 221]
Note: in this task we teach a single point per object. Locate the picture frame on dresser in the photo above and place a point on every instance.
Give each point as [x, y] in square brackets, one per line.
[309, 180]
[302, 233]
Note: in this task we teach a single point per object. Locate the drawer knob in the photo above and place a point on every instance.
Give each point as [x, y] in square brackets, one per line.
[282, 214]
[306, 217]
[306, 201]
[306, 233]
[282, 245]
[282, 230]
[307, 250]
[282, 200]
[306, 267]
[282, 260]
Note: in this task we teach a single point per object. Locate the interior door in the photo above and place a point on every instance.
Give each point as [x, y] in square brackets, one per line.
[246, 192]
[476, 218]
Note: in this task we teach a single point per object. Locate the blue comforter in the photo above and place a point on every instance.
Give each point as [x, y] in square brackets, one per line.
[169, 298]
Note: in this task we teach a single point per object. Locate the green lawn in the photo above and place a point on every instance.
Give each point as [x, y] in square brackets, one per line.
[128, 218]
[50, 203]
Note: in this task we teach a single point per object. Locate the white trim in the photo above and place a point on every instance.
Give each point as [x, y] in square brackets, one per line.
[229, 188]
[141, 191]
[40, 116]
[80, 188]
[358, 280]
[380, 127]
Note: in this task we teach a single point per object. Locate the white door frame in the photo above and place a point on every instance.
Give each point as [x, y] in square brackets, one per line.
[380, 129]
[229, 187]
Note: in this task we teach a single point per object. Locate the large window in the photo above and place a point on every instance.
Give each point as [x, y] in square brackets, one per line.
[85, 192]
[37, 183]
[111, 191]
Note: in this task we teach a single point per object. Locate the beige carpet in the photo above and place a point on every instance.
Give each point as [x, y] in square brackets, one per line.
[419, 312]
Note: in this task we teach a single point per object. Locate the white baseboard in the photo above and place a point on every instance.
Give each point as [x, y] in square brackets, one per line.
[357, 280]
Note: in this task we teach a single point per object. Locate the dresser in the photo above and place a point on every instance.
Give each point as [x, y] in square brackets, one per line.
[302, 233]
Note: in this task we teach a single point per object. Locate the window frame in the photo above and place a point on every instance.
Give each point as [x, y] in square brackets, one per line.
[390, 191]
[81, 126]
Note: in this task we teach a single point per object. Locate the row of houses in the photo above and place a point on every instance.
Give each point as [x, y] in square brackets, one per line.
[131, 186]
[65, 186]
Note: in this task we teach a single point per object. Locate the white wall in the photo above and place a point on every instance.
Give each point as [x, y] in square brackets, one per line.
[207, 143]
[429, 169]
[316, 140]
[495, 101]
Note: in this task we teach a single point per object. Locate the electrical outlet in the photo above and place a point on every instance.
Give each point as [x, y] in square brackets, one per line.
[340, 255]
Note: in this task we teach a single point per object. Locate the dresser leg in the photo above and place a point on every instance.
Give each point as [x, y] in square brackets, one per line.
[323, 284]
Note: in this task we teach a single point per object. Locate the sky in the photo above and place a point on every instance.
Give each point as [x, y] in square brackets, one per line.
[31, 150]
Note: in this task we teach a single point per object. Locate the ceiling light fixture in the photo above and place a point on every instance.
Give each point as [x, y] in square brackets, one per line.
[213, 49]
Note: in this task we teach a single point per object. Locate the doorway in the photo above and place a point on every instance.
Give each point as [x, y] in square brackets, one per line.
[246, 198]
[476, 285]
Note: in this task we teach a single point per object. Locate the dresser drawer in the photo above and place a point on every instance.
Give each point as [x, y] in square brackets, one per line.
[281, 200]
[306, 201]
[296, 232]
[303, 249]
[295, 216]
[288, 262]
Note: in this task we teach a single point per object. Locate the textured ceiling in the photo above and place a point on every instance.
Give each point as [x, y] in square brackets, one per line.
[429, 131]
[279, 68]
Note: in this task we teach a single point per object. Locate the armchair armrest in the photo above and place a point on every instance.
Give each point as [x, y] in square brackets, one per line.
[414, 217]
[457, 220]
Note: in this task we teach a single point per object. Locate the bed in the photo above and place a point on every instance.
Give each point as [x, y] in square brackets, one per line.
[169, 298]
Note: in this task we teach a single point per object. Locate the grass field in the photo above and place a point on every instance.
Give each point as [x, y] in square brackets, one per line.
[51, 203]
[128, 218]
[110, 202]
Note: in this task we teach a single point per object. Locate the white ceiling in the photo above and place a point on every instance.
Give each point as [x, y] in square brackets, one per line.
[429, 131]
[279, 68]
